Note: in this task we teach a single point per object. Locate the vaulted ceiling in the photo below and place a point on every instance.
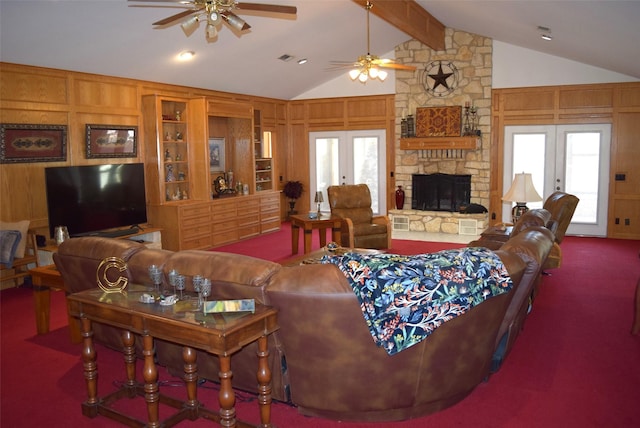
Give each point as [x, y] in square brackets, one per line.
[109, 37]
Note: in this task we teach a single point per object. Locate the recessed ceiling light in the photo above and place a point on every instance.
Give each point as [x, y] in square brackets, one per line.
[186, 55]
[545, 33]
[302, 61]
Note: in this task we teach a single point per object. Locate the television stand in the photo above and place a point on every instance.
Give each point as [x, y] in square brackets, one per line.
[119, 233]
[152, 237]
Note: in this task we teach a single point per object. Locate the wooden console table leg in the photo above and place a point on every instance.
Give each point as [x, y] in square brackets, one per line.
[42, 303]
[89, 407]
[307, 240]
[264, 383]
[191, 380]
[152, 396]
[129, 351]
[323, 237]
[226, 397]
[295, 235]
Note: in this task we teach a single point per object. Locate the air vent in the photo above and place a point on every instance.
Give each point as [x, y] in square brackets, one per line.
[467, 227]
[285, 57]
[400, 223]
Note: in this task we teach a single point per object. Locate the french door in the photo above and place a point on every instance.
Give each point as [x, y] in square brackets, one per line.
[570, 158]
[348, 157]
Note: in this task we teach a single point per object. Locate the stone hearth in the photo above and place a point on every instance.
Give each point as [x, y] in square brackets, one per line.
[437, 221]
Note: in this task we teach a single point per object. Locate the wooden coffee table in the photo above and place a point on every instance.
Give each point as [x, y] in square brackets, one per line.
[220, 335]
[307, 224]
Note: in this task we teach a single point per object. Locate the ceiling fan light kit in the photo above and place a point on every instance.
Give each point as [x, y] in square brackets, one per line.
[370, 66]
[214, 12]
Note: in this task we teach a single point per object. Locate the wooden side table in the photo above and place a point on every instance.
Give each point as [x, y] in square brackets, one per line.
[221, 335]
[45, 278]
[307, 224]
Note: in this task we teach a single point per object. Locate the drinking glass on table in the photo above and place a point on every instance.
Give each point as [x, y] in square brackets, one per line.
[155, 274]
[205, 288]
[196, 280]
[180, 281]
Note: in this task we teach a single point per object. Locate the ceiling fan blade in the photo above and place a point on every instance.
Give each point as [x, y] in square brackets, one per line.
[163, 1]
[292, 10]
[176, 17]
[397, 66]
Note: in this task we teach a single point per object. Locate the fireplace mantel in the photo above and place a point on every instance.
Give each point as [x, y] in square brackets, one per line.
[436, 143]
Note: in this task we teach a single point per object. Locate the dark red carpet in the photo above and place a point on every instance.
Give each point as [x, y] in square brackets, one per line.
[574, 365]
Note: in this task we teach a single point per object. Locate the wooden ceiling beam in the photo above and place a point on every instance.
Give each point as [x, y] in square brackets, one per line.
[409, 17]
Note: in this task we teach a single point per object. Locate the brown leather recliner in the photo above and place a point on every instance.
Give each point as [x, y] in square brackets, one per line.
[531, 218]
[561, 205]
[360, 228]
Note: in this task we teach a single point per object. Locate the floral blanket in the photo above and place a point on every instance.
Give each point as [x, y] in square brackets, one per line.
[405, 298]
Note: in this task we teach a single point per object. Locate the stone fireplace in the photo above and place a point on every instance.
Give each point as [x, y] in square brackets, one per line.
[472, 56]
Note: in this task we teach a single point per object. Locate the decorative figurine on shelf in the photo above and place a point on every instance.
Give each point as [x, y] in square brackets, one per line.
[178, 157]
[178, 115]
[170, 177]
[181, 176]
[167, 136]
[179, 136]
[403, 128]
[167, 156]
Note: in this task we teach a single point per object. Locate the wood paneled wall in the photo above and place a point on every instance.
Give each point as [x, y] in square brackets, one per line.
[335, 114]
[45, 96]
[617, 104]
[34, 95]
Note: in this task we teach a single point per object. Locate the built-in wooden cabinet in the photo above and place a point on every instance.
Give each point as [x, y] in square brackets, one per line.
[173, 149]
[179, 173]
[263, 153]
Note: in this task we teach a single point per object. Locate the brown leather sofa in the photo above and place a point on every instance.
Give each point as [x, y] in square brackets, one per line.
[323, 358]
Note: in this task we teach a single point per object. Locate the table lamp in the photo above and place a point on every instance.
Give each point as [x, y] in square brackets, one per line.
[318, 200]
[521, 192]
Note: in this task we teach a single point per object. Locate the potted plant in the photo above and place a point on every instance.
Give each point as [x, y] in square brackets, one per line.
[292, 190]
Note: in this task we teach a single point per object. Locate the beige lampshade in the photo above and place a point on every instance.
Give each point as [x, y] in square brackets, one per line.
[319, 198]
[522, 190]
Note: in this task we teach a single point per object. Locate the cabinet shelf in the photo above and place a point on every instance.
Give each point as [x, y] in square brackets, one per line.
[436, 143]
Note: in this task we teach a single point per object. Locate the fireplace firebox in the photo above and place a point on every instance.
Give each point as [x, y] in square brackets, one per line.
[440, 192]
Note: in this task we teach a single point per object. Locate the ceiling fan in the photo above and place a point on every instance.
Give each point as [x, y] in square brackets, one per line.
[214, 13]
[370, 66]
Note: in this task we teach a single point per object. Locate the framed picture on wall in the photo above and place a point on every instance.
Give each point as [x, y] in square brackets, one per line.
[216, 154]
[32, 143]
[111, 141]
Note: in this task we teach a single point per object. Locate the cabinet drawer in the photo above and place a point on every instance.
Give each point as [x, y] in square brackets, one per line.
[199, 230]
[248, 231]
[248, 220]
[225, 237]
[270, 226]
[271, 207]
[195, 211]
[186, 223]
[196, 243]
[224, 226]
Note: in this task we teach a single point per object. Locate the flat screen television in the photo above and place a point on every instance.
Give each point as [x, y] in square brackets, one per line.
[91, 200]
